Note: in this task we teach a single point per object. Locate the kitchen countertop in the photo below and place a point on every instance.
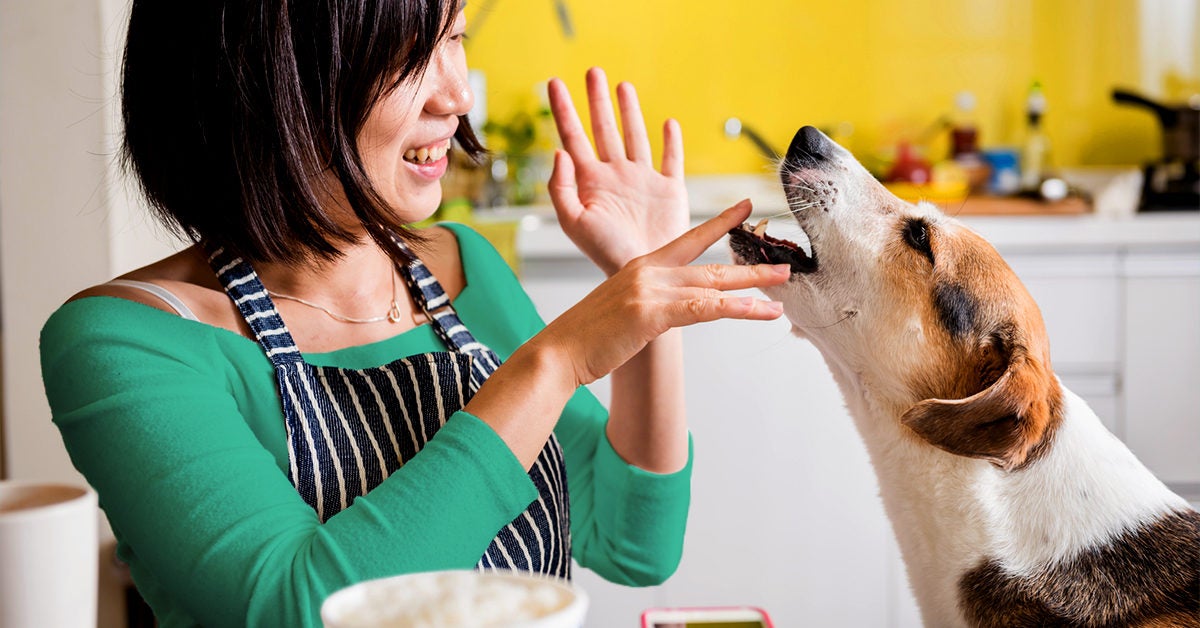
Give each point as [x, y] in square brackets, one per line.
[1113, 225]
[540, 238]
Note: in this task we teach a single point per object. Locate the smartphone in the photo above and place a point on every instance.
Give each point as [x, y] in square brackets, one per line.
[707, 617]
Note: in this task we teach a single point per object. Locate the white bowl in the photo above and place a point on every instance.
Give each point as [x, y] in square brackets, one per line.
[457, 598]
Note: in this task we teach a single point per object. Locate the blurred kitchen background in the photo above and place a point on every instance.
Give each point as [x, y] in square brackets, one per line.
[872, 74]
[1065, 131]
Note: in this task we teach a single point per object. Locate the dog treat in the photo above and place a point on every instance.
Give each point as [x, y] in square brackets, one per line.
[761, 228]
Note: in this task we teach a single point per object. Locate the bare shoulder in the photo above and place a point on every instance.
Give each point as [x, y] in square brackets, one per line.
[187, 276]
[442, 256]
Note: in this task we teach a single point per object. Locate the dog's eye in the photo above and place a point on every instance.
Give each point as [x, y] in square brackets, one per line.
[916, 235]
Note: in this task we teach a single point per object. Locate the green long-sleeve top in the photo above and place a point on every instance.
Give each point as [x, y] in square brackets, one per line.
[178, 427]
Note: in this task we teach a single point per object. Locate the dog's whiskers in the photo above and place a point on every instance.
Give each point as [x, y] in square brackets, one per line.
[791, 212]
[796, 185]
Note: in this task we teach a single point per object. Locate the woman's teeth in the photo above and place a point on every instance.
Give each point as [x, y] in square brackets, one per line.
[427, 154]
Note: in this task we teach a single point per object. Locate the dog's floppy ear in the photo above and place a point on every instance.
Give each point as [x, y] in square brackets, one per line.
[1003, 423]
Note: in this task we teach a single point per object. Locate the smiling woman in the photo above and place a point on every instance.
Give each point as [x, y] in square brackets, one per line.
[315, 394]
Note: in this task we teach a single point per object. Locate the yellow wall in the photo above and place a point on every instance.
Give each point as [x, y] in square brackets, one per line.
[889, 68]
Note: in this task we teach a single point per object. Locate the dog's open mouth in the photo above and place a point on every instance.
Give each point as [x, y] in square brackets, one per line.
[753, 246]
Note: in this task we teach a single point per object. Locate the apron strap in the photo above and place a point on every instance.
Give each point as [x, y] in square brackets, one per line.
[242, 285]
[434, 301]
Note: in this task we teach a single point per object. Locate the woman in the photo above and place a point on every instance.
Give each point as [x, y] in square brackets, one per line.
[250, 409]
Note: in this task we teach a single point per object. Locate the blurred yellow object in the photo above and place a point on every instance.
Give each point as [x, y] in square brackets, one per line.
[948, 172]
[502, 234]
[937, 192]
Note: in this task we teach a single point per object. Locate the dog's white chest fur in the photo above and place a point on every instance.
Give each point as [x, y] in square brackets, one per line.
[951, 513]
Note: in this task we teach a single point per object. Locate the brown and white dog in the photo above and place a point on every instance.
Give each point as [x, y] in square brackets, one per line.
[1012, 504]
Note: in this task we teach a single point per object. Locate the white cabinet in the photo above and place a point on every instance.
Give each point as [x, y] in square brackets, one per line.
[1162, 365]
[1124, 326]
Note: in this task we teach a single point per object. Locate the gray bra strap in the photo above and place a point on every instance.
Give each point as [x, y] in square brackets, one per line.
[166, 295]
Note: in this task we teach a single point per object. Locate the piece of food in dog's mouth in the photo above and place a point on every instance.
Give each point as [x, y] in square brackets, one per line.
[754, 246]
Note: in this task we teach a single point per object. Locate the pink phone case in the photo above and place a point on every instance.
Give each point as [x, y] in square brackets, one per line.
[765, 617]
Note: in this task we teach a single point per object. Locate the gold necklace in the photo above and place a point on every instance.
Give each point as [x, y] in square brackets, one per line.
[392, 316]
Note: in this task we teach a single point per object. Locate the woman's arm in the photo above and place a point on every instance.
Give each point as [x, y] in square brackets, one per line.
[616, 207]
[627, 524]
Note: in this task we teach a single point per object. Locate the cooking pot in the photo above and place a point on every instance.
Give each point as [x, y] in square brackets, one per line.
[1180, 124]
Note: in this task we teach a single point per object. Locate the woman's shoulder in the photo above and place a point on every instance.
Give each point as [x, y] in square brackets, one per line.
[104, 329]
[181, 285]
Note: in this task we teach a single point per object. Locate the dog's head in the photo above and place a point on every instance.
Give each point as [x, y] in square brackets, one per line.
[919, 313]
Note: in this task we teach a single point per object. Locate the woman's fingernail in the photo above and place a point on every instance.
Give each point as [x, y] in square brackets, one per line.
[775, 306]
[782, 269]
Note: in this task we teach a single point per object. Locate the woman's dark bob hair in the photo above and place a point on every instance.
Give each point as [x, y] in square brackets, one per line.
[236, 112]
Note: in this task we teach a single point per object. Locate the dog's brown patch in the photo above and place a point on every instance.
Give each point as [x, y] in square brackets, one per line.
[1008, 423]
[985, 378]
[1147, 577]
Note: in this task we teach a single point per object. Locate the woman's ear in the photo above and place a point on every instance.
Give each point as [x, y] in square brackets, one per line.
[1003, 424]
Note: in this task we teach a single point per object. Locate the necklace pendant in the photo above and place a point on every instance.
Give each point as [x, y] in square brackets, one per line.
[393, 314]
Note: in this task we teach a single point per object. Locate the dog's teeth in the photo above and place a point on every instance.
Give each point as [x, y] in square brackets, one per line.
[761, 228]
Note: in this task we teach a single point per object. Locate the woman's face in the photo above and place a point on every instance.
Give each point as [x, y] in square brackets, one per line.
[406, 136]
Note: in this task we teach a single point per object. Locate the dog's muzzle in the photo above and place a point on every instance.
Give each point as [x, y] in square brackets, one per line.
[751, 245]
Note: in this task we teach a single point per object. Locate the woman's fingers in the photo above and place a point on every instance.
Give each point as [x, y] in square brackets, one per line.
[687, 247]
[672, 159]
[604, 124]
[637, 144]
[730, 277]
[704, 310]
[566, 119]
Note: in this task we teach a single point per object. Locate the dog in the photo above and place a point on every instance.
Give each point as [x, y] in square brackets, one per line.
[1011, 503]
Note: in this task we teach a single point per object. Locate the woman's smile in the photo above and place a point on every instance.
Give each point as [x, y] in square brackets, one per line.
[429, 161]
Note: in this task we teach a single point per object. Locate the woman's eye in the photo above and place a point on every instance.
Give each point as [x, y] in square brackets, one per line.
[916, 235]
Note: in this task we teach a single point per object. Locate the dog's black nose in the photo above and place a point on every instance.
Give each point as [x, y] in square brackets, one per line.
[809, 147]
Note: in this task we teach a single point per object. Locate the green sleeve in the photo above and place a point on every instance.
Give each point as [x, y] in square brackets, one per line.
[210, 522]
[627, 524]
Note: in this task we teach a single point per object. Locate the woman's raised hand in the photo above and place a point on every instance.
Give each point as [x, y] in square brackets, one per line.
[656, 292]
[612, 203]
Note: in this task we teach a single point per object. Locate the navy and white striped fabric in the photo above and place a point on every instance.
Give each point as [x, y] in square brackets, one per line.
[347, 430]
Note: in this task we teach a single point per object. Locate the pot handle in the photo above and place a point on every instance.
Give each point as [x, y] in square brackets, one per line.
[1168, 116]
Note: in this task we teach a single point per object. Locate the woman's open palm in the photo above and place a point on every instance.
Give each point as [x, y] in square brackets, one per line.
[612, 202]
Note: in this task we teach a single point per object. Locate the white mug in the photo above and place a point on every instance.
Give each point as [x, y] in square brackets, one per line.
[49, 549]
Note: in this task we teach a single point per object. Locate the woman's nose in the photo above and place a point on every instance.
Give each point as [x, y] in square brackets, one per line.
[450, 92]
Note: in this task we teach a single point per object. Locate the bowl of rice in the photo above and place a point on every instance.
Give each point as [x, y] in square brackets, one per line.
[457, 599]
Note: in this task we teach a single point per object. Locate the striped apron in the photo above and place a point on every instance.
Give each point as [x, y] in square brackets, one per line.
[347, 430]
